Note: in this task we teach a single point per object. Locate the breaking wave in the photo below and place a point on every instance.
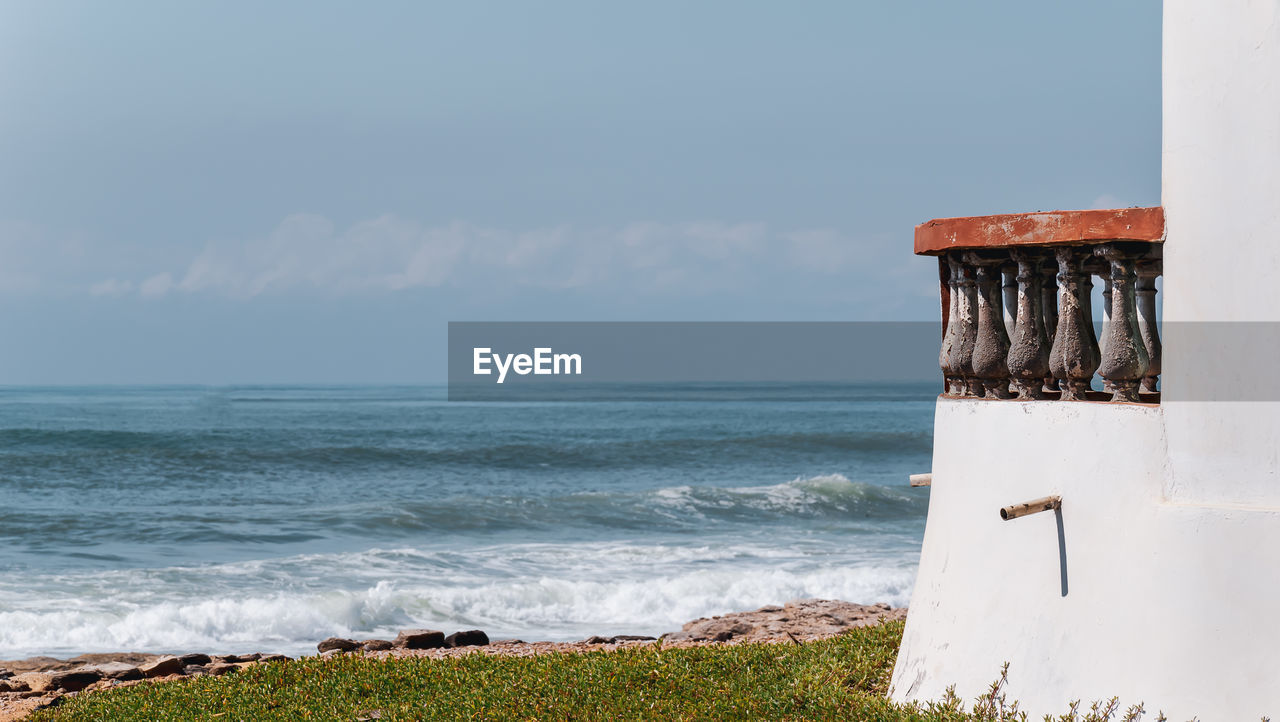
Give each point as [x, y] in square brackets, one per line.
[529, 591]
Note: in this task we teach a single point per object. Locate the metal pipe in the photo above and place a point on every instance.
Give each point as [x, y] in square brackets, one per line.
[1048, 503]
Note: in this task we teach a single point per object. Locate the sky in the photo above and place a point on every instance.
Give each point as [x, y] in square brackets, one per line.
[308, 192]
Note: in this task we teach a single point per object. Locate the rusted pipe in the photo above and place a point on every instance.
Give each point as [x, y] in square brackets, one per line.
[921, 479]
[1048, 503]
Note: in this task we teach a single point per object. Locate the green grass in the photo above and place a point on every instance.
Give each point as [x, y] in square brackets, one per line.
[845, 677]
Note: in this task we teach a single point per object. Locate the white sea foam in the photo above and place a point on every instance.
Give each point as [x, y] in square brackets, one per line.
[214, 623]
[534, 591]
[546, 521]
[800, 494]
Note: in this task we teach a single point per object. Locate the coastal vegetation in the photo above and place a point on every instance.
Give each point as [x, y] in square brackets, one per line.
[843, 677]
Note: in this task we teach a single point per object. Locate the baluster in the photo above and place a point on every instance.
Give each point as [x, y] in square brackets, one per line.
[1126, 362]
[1010, 298]
[1103, 271]
[1074, 355]
[951, 336]
[992, 345]
[967, 329]
[1093, 267]
[1028, 359]
[1010, 306]
[1049, 305]
[1147, 272]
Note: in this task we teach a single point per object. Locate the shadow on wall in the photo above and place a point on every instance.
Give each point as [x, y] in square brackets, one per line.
[1062, 549]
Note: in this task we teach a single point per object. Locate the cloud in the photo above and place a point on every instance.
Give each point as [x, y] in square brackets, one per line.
[34, 259]
[157, 285]
[821, 250]
[388, 254]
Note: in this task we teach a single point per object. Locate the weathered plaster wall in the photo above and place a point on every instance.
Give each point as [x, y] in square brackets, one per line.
[1221, 192]
[1164, 603]
[1171, 515]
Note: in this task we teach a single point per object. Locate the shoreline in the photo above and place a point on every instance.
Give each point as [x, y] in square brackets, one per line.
[38, 682]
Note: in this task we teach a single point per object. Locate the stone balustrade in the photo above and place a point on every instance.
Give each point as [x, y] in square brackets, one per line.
[1017, 311]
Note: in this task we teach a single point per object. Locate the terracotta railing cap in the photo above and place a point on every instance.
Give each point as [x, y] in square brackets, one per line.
[1051, 228]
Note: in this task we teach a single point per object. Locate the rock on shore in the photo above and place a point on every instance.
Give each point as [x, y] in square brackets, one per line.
[30, 684]
[799, 619]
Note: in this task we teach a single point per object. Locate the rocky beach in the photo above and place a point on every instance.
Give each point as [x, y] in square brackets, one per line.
[38, 682]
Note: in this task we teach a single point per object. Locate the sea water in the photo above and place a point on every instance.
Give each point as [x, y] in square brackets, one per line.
[164, 519]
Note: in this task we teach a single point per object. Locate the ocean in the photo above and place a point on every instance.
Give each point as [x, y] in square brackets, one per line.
[266, 518]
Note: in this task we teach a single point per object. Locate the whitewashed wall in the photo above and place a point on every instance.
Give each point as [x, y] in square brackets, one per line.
[1167, 603]
[1171, 515]
[1221, 195]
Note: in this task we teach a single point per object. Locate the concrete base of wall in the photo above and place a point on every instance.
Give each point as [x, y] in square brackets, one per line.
[1118, 593]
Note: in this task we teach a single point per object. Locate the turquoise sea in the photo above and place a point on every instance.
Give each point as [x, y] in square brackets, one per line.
[266, 518]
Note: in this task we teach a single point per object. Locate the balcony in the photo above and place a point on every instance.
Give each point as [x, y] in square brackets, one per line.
[1017, 310]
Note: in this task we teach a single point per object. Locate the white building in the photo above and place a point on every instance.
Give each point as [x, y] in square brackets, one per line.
[1158, 579]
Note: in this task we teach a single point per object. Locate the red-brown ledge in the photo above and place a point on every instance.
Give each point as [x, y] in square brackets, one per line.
[1052, 228]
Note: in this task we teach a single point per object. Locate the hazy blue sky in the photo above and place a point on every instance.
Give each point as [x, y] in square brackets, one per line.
[309, 191]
